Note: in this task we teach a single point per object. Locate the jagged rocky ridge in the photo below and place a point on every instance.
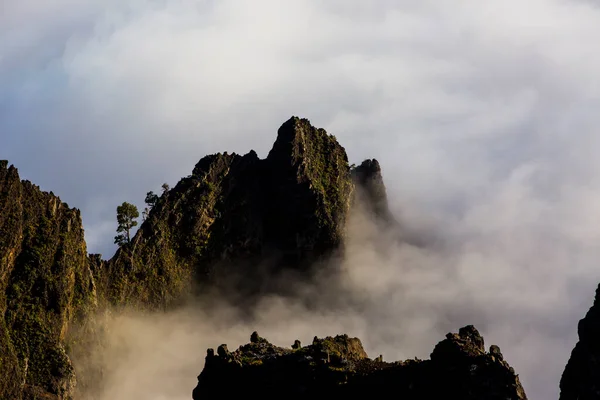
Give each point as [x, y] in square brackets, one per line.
[245, 217]
[234, 217]
[459, 368]
[581, 377]
[45, 284]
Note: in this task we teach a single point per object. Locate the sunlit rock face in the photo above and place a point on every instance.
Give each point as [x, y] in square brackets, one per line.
[45, 286]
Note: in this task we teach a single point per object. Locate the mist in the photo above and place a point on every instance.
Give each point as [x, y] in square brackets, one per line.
[400, 299]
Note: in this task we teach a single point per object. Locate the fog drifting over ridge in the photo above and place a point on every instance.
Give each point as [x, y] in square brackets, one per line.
[482, 115]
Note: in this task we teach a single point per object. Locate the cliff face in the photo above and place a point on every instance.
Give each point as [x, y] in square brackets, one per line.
[239, 216]
[581, 378]
[309, 191]
[459, 368]
[45, 284]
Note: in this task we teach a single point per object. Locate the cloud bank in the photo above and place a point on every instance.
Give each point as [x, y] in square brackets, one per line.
[482, 115]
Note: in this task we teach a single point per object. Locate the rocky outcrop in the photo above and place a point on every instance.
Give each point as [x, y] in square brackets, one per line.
[459, 368]
[45, 284]
[371, 191]
[309, 191]
[239, 216]
[581, 377]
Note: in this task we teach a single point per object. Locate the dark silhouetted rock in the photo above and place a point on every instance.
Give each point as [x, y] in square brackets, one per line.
[371, 189]
[338, 366]
[222, 351]
[581, 377]
[255, 338]
[495, 351]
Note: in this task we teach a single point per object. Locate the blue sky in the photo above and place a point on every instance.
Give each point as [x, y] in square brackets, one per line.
[483, 116]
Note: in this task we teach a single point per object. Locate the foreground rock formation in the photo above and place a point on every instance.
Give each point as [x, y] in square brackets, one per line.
[581, 378]
[45, 285]
[460, 368]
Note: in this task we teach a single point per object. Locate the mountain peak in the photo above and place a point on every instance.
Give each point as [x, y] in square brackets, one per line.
[233, 212]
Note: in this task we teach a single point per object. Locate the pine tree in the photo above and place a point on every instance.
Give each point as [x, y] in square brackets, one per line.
[126, 218]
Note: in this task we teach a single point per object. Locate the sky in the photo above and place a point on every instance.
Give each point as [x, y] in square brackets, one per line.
[483, 116]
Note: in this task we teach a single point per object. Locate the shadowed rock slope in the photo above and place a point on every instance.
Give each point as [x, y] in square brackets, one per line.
[45, 284]
[370, 189]
[581, 377]
[241, 219]
[459, 368]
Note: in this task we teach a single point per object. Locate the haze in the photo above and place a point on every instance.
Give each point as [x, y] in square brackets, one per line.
[483, 116]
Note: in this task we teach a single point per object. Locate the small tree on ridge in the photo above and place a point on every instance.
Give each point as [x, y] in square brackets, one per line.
[151, 200]
[127, 214]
